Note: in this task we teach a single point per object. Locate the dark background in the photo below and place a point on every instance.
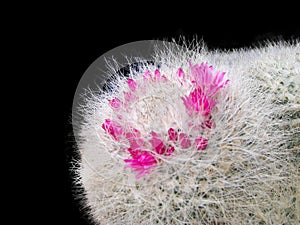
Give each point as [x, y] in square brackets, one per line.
[76, 38]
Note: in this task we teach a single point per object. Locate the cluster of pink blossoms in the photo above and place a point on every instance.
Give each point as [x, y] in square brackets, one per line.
[199, 102]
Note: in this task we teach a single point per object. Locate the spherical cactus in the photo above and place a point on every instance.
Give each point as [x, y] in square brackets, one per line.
[197, 137]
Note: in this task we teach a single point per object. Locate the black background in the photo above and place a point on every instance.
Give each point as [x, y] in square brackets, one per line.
[73, 38]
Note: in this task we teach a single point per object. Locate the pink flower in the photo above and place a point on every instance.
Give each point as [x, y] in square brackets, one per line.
[113, 128]
[115, 103]
[184, 141]
[197, 101]
[132, 84]
[141, 163]
[205, 78]
[201, 143]
[144, 153]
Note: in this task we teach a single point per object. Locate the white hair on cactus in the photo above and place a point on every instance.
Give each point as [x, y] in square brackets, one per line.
[247, 174]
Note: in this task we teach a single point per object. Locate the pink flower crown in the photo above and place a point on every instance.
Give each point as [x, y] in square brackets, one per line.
[145, 153]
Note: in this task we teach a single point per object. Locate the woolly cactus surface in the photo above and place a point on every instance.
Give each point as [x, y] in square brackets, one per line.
[198, 137]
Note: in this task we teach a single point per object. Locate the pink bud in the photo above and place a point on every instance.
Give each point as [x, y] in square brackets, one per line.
[132, 84]
[201, 143]
[129, 96]
[147, 74]
[157, 74]
[173, 135]
[170, 150]
[180, 74]
[157, 143]
[185, 142]
[115, 103]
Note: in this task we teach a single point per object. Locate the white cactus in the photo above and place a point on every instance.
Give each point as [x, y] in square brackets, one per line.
[247, 174]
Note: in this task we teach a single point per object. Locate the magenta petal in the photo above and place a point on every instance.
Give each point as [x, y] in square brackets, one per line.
[113, 128]
[141, 164]
[136, 142]
[157, 144]
[135, 133]
[141, 173]
[135, 153]
[197, 101]
[206, 79]
[218, 77]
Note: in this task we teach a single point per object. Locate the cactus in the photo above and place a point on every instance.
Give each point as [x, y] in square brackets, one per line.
[199, 137]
